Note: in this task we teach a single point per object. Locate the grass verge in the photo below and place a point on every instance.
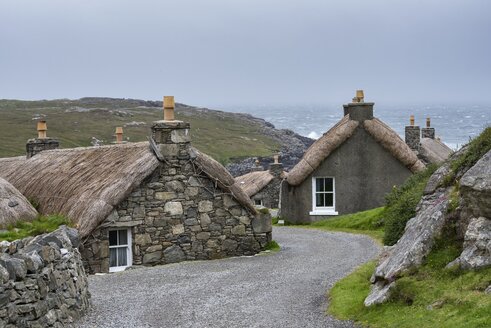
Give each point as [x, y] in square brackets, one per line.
[368, 222]
[42, 224]
[430, 297]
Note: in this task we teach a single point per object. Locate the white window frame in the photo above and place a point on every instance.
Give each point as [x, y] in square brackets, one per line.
[260, 202]
[331, 210]
[129, 253]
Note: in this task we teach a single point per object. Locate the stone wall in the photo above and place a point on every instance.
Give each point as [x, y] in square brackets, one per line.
[179, 214]
[42, 281]
[270, 194]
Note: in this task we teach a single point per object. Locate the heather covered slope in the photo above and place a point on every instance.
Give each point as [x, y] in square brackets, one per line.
[75, 123]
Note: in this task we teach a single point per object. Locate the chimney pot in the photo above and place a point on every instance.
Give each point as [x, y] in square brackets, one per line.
[119, 134]
[276, 157]
[411, 120]
[360, 95]
[428, 122]
[169, 106]
[42, 127]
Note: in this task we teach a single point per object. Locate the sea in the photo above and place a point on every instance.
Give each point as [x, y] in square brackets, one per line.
[454, 124]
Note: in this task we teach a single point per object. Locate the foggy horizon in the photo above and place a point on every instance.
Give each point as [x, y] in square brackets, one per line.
[223, 54]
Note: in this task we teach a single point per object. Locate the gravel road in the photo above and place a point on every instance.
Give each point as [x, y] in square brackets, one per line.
[284, 289]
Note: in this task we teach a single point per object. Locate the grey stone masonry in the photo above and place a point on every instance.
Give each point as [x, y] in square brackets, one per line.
[269, 195]
[276, 169]
[173, 138]
[412, 134]
[359, 111]
[35, 146]
[42, 281]
[428, 133]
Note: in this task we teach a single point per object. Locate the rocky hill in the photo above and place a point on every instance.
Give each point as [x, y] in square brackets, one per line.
[228, 137]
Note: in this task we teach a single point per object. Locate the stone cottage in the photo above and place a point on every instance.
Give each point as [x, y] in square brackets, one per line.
[263, 187]
[154, 202]
[423, 142]
[349, 169]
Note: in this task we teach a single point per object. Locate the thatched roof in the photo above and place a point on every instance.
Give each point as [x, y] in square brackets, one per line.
[391, 141]
[434, 151]
[254, 182]
[86, 184]
[343, 130]
[14, 206]
[321, 149]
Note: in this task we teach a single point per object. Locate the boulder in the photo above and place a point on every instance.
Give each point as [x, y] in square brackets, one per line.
[379, 293]
[475, 187]
[174, 254]
[477, 245]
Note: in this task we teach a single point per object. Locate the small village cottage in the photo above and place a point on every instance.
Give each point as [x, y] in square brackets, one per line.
[146, 203]
[349, 169]
[263, 187]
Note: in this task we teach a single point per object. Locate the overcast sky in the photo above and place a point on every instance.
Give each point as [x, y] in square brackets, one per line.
[239, 52]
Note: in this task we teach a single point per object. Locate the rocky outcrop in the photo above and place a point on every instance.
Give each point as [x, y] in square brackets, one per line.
[473, 218]
[412, 248]
[293, 146]
[477, 245]
[475, 187]
[42, 281]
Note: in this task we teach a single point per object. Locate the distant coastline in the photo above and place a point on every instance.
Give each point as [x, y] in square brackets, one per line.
[455, 125]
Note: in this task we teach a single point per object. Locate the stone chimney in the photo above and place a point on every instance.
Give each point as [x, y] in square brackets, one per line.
[257, 166]
[428, 132]
[171, 136]
[42, 142]
[119, 135]
[359, 110]
[276, 168]
[412, 135]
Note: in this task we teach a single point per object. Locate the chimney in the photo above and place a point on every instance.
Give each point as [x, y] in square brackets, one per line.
[119, 134]
[428, 132]
[257, 166]
[276, 168]
[171, 136]
[42, 142]
[359, 110]
[412, 135]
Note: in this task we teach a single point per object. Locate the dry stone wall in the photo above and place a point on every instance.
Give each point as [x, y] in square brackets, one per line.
[42, 281]
[270, 194]
[179, 214]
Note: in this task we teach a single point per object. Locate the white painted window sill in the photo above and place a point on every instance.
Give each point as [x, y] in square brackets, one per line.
[323, 212]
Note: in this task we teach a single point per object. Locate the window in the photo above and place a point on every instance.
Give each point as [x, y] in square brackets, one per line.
[258, 202]
[119, 250]
[323, 196]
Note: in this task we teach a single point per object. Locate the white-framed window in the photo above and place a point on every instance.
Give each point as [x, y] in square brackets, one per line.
[323, 196]
[120, 256]
[258, 202]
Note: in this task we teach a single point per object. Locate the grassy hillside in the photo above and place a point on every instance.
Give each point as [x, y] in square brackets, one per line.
[74, 122]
